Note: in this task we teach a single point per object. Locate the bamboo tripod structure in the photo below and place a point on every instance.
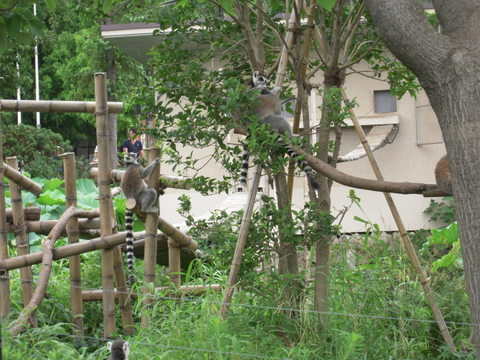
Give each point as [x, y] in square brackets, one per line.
[424, 280]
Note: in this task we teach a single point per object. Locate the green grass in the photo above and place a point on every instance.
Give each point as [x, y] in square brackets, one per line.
[371, 306]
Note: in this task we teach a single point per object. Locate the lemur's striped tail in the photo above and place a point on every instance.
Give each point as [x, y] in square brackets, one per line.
[129, 244]
[311, 175]
[244, 171]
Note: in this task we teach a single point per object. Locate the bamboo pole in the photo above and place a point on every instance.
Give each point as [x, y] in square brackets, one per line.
[96, 295]
[424, 280]
[104, 242]
[174, 182]
[301, 76]
[48, 244]
[241, 242]
[150, 255]
[45, 226]
[128, 323]
[56, 106]
[174, 263]
[4, 280]
[101, 112]
[24, 182]
[183, 240]
[21, 238]
[72, 229]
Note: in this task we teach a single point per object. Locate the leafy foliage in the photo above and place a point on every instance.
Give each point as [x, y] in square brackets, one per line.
[36, 149]
[443, 211]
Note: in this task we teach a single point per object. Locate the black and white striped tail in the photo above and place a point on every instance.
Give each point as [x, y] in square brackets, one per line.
[311, 176]
[129, 243]
[244, 171]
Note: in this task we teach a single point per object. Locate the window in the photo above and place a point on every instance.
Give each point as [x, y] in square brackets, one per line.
[384, 101]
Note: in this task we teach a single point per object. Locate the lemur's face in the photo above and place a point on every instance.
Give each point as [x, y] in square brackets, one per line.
[130, 158]
[259, 80]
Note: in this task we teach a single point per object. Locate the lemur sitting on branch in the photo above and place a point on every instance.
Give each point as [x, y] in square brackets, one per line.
[134, 187]
[269, 111]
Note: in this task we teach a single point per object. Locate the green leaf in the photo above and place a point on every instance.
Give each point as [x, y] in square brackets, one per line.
[52, 184]
[228, 6]
[51, 5]
[14, 24]
[86, 186]
[107, 6]
[49, 197]
[327, 4]
[3, 36]
[36, 26]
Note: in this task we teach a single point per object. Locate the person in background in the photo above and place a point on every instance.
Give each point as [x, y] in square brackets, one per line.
[133, 144]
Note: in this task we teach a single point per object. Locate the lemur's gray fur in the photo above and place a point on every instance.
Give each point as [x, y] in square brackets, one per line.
[119, 350]
[269, 110]
[134, 186]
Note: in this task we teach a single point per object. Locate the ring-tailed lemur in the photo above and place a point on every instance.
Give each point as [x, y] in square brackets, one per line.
[443, 176]
[119, 350]
[269, 110]
[134, 186]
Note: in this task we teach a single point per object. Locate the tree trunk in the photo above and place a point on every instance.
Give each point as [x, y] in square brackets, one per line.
[448, 67]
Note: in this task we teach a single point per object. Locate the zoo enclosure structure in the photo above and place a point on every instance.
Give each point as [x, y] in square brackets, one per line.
[98, 223]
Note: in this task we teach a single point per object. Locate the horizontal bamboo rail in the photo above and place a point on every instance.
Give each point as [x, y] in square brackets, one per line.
[57, 106]
[31, 213]
[174, 182]
[45, 226]
[96, 295]
[23, 181]
[108, 241]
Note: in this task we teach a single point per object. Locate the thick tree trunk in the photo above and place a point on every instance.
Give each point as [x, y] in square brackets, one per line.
[448, 67]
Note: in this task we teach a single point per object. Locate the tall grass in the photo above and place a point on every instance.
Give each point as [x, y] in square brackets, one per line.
[377, 307]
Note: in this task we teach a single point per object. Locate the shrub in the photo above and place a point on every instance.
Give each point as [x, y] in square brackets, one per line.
[36, 149]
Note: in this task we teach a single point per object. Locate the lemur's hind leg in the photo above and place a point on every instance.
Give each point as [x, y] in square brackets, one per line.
[147, 199]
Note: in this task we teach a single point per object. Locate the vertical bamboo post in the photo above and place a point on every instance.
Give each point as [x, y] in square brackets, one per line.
[174, 263]
[301, 75]
[70, 178]
[4, 280]
[123, 295]
[150, 258]
[424, 280]
[21, 237]
[101, 114]
[241, 242]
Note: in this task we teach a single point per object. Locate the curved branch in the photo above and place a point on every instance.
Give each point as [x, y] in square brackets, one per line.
[47, 257]
[362, 183]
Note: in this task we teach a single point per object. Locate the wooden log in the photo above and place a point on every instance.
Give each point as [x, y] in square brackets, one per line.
[72, 229]
[21, 238]
[195, 290]
[57, 106]
[174, 182]
[4, 278]
[101, 112]
[124, 293]
[151, 228]
[31, 213]
[22, 181]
